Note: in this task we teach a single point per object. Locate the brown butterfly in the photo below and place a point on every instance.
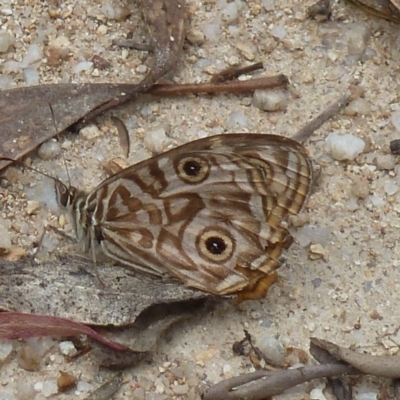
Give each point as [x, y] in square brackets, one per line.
[212, 213]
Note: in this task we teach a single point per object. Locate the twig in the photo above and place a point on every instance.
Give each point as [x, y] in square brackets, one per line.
[233, 73]
[304, 133]
[225, 87]
[271, 383]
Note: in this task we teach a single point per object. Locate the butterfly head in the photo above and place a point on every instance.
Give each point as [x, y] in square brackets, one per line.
[73, 200]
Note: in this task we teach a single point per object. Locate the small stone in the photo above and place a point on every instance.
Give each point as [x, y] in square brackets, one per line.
[5, 350]
[270, 100]
[90, 132]
[138, 394]
[102, 30]
[226, 369]
[247, 50]
[273, 349]
[28, 358]
[344, 147]
[68, 349]
[116, 12]
[82, 66]
[269, 5]
[49, 150]
[100, 62]
[317, 394]
[33, 55]
[391, 188]
[180, 389]
[357, 38]
[395, 120]
[66, 381]
[360, 189]
[156, 139]
[32, 207]
[358, 106]
[279, 32]
[5, 240]
[194, 36]
[207, 355]
[7, 40]
[31, 76]
[375, 315]
[385, 162]
[49, 388]
[299, 219]
[317, 251]
[230, 13]
[237, 121]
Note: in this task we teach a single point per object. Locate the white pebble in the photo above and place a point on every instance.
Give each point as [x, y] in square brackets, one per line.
[317, 394]
[273, 349]
[6, 41]
[358, 106]
[49, 388]
[226, 369]
[31, 76]
[67, 348]
[102, 30]
[90, 132]
[11, 67]
[357, 38]
[116, 12]
[312, 234]
[270, 100]
[395, 120]
[344, 147]
[377, 201]
[391, 188]
[33, 55]
[32, 207]
[49, 150]
[5, 82]
[278, 32]
[230, 13]
[82, 66]
[180, 389]
[5, 240]
[211, 32]
[269, 5]
[237, 121]
[156, 140]
[5, 350]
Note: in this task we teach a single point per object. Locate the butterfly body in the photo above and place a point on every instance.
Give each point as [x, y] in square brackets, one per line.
[212, 213]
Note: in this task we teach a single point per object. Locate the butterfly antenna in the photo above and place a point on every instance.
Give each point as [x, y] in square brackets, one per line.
[55, 128]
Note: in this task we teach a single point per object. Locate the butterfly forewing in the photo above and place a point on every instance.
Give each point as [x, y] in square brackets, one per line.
[212, 213]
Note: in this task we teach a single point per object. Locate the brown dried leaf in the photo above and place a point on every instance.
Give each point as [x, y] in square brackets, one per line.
[19, 325]
[64, 288]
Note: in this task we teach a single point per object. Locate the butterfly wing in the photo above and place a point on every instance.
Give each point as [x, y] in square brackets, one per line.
[212, 213]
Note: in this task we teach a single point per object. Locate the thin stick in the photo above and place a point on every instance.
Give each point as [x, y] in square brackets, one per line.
[304, 133]
[224, 87]
[263, 384]
[233, 73]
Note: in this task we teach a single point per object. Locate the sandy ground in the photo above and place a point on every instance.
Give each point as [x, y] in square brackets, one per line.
[351, 295]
